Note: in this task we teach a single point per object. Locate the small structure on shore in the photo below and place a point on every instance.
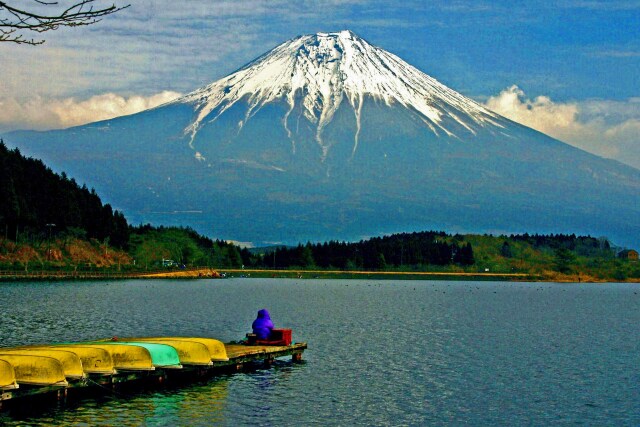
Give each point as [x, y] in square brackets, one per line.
[629, 254]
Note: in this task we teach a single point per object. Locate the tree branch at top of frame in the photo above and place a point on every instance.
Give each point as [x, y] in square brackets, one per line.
[47, 16]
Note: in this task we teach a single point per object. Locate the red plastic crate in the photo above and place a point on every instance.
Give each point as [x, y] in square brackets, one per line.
[277, 337]
[281, 335]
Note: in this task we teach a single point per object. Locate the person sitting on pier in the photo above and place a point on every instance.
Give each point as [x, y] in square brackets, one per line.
[263, 325]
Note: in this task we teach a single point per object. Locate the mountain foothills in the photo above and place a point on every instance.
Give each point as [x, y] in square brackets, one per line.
[48, 221]
[328, 137]
[51, 223]
[36, 200]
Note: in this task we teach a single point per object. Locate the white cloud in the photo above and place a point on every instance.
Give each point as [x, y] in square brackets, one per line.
[540, 113]
[40, 113]
[606, 128]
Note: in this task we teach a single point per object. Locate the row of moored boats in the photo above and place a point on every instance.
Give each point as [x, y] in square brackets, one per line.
[60, 364]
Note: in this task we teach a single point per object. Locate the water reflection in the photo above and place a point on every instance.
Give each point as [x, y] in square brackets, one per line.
[198, 404]
[209, 402]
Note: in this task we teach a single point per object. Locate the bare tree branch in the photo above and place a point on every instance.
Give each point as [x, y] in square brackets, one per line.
[15, 21]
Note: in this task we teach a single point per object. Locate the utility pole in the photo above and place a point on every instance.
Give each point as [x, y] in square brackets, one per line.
[50, 226]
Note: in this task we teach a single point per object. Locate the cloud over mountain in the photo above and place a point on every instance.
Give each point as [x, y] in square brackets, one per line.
[606, 128]
[41, 114]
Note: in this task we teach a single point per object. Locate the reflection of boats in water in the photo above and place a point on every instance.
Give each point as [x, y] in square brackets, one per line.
[73, 367]
[198, 404]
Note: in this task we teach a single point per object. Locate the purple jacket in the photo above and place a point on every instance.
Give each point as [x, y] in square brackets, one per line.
[263, 325]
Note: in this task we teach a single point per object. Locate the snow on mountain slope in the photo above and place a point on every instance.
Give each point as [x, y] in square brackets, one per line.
[323, 70]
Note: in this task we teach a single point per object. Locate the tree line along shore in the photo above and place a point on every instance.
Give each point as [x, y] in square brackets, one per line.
[181, 252]
[49, 223]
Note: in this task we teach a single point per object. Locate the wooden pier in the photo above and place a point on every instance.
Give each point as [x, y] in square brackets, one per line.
[240, 357]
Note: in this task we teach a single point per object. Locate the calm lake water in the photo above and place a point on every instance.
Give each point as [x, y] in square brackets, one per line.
[380, 352]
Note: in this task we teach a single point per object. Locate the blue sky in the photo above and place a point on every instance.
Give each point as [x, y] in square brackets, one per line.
[567, 67]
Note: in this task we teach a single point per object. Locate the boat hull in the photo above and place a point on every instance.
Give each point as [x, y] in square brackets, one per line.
[96, 361]
[36, 370]
[71, 363]
[7, 376]
[124, 357]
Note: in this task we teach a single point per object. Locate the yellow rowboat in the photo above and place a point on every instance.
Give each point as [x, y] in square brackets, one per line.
[95, 360]
[217, 350]
[189, 352]
[124, 357]
[7, 376]
[71, 363]
[36, 370]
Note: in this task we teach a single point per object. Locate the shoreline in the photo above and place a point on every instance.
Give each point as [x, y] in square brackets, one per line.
[210, 273]
[192, 273]
[424, 275]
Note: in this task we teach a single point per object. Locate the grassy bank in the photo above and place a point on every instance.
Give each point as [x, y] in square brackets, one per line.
[209, 273]
[176, 252]
[420, 275]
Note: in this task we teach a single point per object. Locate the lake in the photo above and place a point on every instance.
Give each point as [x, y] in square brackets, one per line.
[380, 352]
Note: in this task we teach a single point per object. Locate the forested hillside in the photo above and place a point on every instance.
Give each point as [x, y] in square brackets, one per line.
[36, 202]
[398, 250]
[182, 247]
[48, 221]
[564, 257]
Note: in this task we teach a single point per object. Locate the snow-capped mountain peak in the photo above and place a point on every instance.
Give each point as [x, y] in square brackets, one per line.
[322, 71]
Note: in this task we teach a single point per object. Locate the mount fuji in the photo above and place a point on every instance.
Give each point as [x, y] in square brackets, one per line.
[329, 137]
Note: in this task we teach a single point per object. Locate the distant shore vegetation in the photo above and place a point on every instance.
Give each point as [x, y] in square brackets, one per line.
[49, 222]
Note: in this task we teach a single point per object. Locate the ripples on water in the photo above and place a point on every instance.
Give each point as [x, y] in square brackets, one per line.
[380, 352]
